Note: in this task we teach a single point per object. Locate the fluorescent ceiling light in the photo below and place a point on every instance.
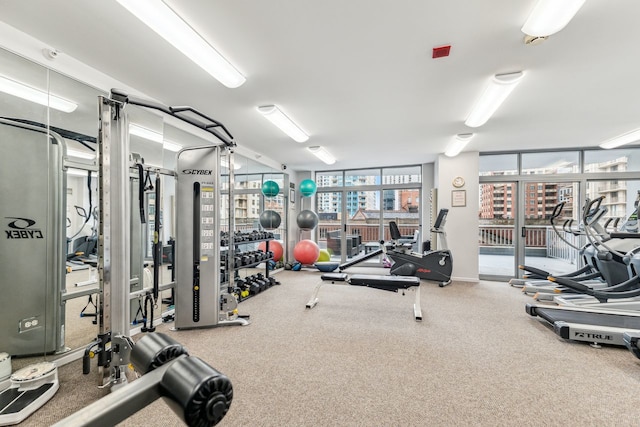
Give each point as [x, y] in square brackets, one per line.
[171, 146]
[550, 16]
[322, 154]
[496, 92]
[284, 123]
[164, 21]
[225, 164]
[145, 133]
[81, 154]
[458, 144]
[625, 138]
[38, 96]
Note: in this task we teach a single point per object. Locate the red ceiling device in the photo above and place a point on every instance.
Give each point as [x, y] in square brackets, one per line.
[441, 51]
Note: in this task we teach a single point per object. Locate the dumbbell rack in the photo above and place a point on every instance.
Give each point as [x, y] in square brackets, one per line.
[231, 262]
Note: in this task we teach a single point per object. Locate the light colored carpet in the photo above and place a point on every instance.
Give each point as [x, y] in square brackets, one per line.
[359, 359]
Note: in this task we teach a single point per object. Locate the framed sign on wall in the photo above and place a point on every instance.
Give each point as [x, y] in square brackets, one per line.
[459, 198]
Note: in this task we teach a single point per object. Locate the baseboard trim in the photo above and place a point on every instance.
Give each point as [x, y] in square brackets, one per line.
[471, 280]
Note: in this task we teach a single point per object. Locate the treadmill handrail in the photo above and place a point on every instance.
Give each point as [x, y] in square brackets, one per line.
[625, 289]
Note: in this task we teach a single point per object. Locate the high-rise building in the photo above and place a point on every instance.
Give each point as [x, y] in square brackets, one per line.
[498, 201]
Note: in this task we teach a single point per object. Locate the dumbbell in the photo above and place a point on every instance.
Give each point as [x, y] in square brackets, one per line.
[254, 288]
[261, 282]
[243, 285]
[237, 260]
[270, 281]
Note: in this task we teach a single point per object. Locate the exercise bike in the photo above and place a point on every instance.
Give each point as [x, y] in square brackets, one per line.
[434, 265]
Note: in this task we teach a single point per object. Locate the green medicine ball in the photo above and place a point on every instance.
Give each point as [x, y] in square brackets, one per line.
[308, 188]
[270, 189]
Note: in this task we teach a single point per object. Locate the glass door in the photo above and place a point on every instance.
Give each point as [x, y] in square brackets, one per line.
[497, 236]
[363, 225]
[353, 222]
[402, 206]
[329, 206]
[544, 248]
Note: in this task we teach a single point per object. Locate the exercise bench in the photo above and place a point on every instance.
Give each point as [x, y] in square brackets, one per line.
[385, 283]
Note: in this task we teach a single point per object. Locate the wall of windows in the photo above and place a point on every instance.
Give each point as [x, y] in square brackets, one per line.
[362, 202]
[519, 191]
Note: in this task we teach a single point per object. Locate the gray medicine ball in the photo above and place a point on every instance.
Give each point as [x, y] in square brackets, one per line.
[270, 220]
[307, 220]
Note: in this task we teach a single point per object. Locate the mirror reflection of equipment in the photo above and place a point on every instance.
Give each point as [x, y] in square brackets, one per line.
[32, 213]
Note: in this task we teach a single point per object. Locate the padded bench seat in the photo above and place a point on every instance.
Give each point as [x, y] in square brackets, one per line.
[384, 282]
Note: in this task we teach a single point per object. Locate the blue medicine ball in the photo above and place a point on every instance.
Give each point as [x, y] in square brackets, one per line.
[270, 188]
[307, 188]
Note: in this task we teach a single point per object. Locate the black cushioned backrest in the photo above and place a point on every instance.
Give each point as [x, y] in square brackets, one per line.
[393, 229]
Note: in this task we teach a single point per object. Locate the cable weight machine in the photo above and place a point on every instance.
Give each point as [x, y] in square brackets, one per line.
[198, 243]
[198, 296]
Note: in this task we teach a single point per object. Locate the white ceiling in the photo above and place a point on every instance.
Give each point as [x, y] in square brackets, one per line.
[358, 77]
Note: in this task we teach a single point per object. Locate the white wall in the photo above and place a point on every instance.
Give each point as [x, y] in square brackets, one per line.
[462, 222]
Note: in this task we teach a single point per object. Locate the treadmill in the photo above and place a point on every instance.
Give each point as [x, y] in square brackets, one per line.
[632, 341]
[589, 324]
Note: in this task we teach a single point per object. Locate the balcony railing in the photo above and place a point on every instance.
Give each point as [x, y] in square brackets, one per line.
[538, 240]
[368, 232]
[558, 249]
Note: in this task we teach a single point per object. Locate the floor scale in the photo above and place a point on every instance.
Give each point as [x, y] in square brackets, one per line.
[31, 387]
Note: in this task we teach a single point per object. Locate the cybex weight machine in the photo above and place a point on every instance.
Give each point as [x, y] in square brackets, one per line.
[198, 300]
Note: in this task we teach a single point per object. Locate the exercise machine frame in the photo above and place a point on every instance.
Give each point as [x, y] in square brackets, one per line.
[196, 392]
[436, 265]
[386, 283]
[113, 345]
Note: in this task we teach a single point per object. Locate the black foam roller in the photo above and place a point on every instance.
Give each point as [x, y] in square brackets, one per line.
[155, 350]
[197, 392]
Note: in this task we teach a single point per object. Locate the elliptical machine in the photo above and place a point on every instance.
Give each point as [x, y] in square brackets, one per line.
[534, 279]
[434, 265]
